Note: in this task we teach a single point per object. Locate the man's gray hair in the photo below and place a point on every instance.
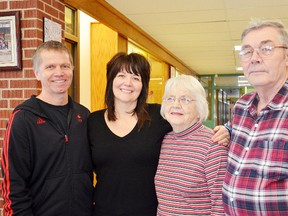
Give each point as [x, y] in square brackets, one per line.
[256, 24]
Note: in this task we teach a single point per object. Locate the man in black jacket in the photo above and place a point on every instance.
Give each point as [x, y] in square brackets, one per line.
[46, 157]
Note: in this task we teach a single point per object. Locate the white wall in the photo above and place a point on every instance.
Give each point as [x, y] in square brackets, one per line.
[85, 64]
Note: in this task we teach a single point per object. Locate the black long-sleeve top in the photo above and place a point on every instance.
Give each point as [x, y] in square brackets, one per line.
[126, 166]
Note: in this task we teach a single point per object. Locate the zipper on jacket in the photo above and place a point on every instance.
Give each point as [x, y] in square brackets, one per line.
[68, 124]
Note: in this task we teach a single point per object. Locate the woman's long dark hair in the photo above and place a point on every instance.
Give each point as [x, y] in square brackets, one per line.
[135, 64]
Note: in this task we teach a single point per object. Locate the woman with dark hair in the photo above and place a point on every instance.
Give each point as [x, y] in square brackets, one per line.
[125, 139]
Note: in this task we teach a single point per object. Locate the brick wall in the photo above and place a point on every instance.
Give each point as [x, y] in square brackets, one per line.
[17, 86]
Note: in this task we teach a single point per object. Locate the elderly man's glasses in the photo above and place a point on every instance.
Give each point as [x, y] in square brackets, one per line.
[263, 51]
[181, 100]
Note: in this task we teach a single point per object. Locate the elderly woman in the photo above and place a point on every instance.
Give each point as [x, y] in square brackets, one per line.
[191, 167]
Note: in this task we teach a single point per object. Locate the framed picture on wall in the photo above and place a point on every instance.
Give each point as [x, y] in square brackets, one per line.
[10, 41]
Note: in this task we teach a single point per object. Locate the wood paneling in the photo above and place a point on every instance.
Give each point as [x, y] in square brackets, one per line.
[104, 44]
[122, 44]
[159, 76]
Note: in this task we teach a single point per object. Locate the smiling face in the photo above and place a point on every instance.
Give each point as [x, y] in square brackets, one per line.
[269, 72]
[181, 116]
[55, 71]
[127, 87]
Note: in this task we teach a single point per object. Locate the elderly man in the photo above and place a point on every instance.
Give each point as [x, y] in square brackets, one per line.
[256, 181]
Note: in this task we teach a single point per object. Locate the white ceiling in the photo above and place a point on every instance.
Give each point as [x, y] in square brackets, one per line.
[201, 33]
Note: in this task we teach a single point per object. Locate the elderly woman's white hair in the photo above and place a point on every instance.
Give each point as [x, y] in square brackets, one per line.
[191, 84]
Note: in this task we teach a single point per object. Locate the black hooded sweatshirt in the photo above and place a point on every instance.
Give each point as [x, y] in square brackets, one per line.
[47, 170]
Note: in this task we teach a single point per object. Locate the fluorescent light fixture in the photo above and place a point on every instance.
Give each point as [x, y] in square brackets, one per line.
[242, 78]
[237, 47]
[239, 68]
[243, 84]
[242, 81]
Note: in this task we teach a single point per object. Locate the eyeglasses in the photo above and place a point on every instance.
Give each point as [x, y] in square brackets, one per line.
[263, 51]
[181, 100]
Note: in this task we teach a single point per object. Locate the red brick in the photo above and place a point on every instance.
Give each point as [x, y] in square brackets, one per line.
[47, 1]
[14, 103]
[50, 10]
[12, 93]
[62, 17]
[24, 84]
[29, 73]
[41, 14]
[59, 5]
[30, 23]
[30, 43]
[29, 93]
[28, 53]
[3, 83]
[5, 113]
[27, 63]
[22, 4]
[3, 104]
[2, 132]
[11, 74]
[3, 123]
[40, 5]
[3, 5]
[32, 33]
[30, 13]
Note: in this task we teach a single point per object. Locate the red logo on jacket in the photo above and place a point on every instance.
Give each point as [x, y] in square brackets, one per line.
[79, 118]
[40, 121]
